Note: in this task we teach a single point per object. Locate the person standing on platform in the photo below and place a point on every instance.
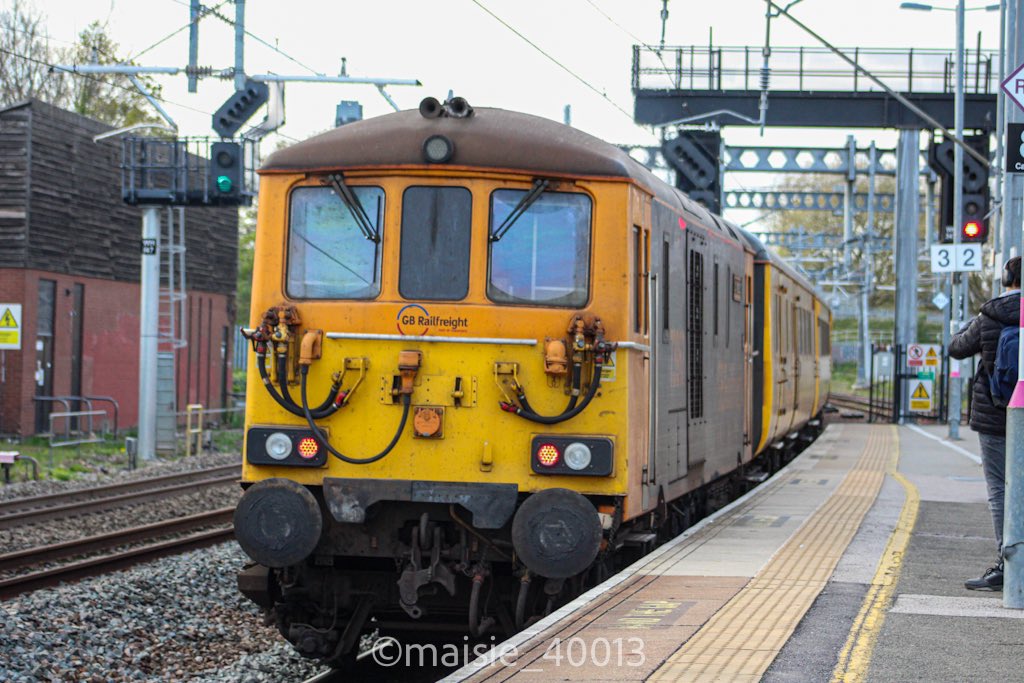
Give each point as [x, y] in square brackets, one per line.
[988, 416]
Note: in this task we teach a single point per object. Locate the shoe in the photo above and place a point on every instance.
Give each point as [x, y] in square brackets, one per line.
[991, 580]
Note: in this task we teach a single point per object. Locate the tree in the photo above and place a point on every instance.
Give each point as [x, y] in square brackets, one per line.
[827, 222]
[25, 58]
[26, 71]
[246, 251]
[111, 98]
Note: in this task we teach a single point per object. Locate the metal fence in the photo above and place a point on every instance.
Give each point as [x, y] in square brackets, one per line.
[707, 67]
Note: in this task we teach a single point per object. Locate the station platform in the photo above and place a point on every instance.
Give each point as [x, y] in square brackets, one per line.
[847, 565]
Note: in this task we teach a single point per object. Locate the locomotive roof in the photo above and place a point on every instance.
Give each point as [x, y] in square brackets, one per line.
[494, 138]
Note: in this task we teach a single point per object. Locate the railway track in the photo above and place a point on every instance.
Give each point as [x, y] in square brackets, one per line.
[35, 509]
[849, 401]
[193, 531]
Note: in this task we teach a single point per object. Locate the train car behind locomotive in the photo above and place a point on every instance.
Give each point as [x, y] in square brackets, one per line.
[492, 354]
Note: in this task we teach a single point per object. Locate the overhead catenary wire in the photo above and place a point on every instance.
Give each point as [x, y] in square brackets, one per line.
[59, 68]
[255, 37]
[551, 58]
[203, 11]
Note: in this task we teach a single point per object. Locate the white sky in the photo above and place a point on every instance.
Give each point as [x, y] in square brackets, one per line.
[454, 44]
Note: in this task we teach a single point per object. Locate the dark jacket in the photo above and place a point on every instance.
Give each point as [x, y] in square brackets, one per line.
[982, 336]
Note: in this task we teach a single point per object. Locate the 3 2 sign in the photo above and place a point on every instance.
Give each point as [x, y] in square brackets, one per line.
[951, 258]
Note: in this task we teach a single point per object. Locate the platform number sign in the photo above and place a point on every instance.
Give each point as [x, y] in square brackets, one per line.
[951, 258]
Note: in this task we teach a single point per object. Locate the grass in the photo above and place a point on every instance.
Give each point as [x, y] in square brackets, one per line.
[72, 462]
[844, 376]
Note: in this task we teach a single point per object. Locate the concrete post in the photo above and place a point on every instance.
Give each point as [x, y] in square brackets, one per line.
[908, 154]
[149, 307]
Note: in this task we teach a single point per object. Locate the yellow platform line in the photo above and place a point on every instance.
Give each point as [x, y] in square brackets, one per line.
[855, 657]
[740, 642]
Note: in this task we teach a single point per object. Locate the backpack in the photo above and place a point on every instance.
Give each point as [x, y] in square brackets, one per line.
[1003, 379]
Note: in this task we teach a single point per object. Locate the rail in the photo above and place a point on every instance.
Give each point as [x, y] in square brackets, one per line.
[118, 559]
[802, 69]
[67, 503]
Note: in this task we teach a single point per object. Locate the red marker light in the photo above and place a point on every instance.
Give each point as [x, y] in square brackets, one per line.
[308, 448]
[972, 229]
[548, 455]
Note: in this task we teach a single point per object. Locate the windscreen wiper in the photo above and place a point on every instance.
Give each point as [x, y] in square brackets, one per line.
[355, 207]
[540, 185]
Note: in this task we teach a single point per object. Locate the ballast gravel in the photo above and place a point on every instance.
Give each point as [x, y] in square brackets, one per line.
[179, 618]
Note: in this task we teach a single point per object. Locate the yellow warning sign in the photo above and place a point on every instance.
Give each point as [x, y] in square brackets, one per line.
[10, 326]
[931, 358]
[921, 396]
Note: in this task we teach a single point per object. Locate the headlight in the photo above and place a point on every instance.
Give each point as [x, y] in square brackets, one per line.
[577, 456]
[279, 446]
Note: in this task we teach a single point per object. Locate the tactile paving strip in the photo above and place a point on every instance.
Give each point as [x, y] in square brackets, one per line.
[740, 642]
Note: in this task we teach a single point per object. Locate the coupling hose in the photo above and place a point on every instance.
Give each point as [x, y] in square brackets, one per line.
[322, 440]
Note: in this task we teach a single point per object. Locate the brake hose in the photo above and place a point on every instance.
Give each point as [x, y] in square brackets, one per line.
[320, 411]
[406, 401]
[595, 384]
[577, 374]
[330, 405]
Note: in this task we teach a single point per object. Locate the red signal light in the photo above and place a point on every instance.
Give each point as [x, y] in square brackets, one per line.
[308, 448]
[972, 229]
[548, 455]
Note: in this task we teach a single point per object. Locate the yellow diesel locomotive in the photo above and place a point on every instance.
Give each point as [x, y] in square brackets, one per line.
[493, 355]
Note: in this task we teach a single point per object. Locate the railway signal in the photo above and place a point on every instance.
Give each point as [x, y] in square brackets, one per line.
[973, 224]
[225, 173]
[240, 107]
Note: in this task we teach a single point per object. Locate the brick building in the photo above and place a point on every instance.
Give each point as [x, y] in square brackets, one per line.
[70, 256]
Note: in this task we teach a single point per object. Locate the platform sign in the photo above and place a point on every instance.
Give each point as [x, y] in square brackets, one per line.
[1013, 86]
[1015, 147]
[10, 326]
[921, 395]
[915, 355]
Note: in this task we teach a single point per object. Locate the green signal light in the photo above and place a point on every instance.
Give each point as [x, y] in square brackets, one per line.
[224, 183]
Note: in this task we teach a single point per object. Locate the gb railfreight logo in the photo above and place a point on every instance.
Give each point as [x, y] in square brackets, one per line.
[414, 320]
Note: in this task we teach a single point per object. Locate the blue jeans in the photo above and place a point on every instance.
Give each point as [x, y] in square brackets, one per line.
[993, 462]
